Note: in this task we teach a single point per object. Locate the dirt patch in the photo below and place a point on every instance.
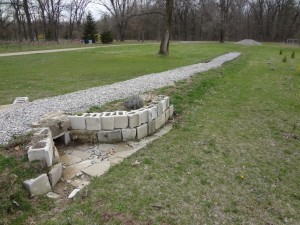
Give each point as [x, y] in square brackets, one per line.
[121, 218]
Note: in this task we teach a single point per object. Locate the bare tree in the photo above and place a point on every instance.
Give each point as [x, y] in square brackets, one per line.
[165, 39]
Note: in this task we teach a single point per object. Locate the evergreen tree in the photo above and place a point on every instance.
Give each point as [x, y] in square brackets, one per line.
[89, 30]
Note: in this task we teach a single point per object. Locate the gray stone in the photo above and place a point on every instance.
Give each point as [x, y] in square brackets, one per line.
[52, 195]
[134, 119]
[93, 121]
[121, 119]
[70, 159]
[107, 121]
[73, 193]
[151, 127]
[129, 134]
[77, 122]
[56, 158]
[38, 186]
[97, 169]
[55, 174]
[142, 131]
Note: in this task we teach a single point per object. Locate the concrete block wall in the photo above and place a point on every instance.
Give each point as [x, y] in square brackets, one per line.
[112, 127]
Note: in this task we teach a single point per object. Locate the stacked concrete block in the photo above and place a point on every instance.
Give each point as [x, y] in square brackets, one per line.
[152, 112]
[151, 127]
[134, 118]
[128, 134]
[120, 119]
[110, 136]
[93, 121]
[142, 131]
[160, 121]
[107, 121]
[171, 110]
[77, 122]
[144, 115]
[167, 114]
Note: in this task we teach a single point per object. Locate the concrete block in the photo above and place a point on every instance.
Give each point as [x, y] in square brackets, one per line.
[151, 127]
[65, 138]
[167, 114]
[56, 158]
[55, 174]
[20, 100]
[160, 107]
[144, 115]
[38, 186]
[129, 134]
[107, 121]
[164, 97]
[93, 121]
[121, 119]
[110, 136]
[160, 121]
[97, 169]
[171, 110]
[134, 119]
[77, 122]
[152, 112]
[142, 131]
[83, 136]
[42, 150]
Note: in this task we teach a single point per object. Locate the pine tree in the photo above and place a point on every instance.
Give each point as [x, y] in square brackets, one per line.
[89, 29]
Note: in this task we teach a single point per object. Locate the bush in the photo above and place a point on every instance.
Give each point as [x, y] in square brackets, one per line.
[280, 52]
[134, 102]
[284, 59]
[293, 55]
[106, 37]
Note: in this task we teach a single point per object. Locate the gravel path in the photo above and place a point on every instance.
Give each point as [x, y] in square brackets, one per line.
[16, 120]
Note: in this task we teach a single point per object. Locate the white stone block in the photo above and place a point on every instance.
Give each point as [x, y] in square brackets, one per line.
[55, 174]
[20, 100]
[144, 115]
[171, 110]
[142, 131]
[134, 119]
[151, 127]
[42, 150]
[164, 97]
[38, 186]
[109, 136]
[107, 121]
[121, 119]
[77, 122]
[160, 121]
[167, 114]
[93, 121]
[160, 107]
[152, 112]
[129, 134]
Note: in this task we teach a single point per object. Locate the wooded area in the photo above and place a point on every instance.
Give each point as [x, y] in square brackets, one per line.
[222, 20]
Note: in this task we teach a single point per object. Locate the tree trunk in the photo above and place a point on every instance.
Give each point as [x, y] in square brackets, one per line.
[165, 38]
[28, 18]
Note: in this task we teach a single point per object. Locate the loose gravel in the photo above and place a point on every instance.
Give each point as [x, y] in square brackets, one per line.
[17, 120]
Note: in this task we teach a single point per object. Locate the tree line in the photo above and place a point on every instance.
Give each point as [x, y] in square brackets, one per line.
[187, 20]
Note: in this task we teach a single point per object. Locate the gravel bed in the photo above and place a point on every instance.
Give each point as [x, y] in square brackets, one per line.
[17, 120]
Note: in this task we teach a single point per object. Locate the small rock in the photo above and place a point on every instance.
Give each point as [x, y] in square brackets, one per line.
[52, 195]
[73, 193]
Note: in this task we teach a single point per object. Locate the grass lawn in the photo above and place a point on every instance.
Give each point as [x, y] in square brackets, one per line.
[232, 157]
[44, 75]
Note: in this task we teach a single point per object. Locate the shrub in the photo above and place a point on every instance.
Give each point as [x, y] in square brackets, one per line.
[284, 59]
[134, 102]
[280, 52]
[106, 37]
[293, 55]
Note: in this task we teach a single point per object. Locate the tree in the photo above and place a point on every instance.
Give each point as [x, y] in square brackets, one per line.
[89, 28]
[165, 38]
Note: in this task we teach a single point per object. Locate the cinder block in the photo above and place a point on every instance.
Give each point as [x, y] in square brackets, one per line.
[107, 121]
[65, 138]
[129, 134]
[142, 131]
[83, 136]
[38, 186]
[110, 136]
[171, 110]
[167, 114]
[160, 121]
[93, 121]
[160, 107]
[42, 150]
[134, 119]
[152, 112]
[77, 122]
[144, 115]
[55, 174]
[121, 119]
[20, 100]
[164, 97]
[151, 127]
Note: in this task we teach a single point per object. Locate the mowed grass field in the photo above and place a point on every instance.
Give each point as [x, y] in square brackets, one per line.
[45, 75]
[232, 157]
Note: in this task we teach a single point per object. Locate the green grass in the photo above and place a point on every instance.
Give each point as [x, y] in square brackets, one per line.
[44, 75]
[232, 157]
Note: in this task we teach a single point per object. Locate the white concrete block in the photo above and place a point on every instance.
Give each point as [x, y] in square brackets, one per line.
[142, 131]
[38, 186]
[129, 134]
[55, 174]
[20, 100]
[107, 121]
[97, 169]
[65, 138]
[73, 193]
[42, 150]
[151, 127]
[144, 115]
[152, 112]
[160, 107]
[167, 115]
[134, 119]
[164, 97]
[109, 136]
[121, 119]
[171, 110]
[93, 121]
[77, 122]
[160, 121]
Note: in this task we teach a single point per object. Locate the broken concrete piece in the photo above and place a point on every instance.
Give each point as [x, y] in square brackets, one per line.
[70, 159]
[55, 174]
[52, 195]
[97, 169]
[71, 171]
[81, 154]
[38, 186]
[73, 193]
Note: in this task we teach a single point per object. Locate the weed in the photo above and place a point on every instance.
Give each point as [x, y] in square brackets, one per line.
[284, 59]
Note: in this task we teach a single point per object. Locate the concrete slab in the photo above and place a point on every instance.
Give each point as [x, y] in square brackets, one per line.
[81, 154]
[97, 169]
[71, 171]
[142, 131]
[70, 159]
